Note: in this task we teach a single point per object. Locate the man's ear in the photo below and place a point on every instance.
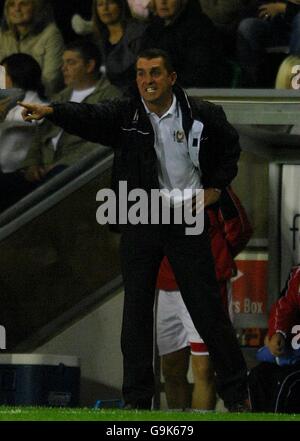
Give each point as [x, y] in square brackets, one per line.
[173, 77]
[91, 66]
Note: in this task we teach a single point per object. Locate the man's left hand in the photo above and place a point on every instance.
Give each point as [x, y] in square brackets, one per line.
[276, 344]
[211, 196]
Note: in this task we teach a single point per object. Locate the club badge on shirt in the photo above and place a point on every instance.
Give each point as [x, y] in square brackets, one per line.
[178, 136]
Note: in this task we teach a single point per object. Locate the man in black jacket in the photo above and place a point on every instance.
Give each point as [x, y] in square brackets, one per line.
[163, 140]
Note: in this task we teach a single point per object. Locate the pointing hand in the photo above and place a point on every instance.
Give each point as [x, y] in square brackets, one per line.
[35, 112]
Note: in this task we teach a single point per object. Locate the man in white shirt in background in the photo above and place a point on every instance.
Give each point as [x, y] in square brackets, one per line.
[53, 149]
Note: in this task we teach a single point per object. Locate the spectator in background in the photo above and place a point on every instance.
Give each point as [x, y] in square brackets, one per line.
[276, 23]
[52, 149]
[140, 8]
[191, 39]
[223, 12]
[177, 337]
[226, 15]
[120, 37]
[65, 10]
[22, 71]
[28, 27]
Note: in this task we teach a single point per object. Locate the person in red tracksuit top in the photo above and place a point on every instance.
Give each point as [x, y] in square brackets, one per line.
[284, 314]
[273, 384]
[230, 231]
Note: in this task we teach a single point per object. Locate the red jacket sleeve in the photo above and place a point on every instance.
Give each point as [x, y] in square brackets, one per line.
[236, 225]
[230, 230]
[284, 312]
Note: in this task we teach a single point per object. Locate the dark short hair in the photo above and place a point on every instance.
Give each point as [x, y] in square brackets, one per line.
[25, 72]
[87, 51]
[157, 53]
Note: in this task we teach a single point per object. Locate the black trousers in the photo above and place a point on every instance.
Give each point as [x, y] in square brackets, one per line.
[142, 249]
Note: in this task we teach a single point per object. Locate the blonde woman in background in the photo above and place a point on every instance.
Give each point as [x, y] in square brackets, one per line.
[28, 27]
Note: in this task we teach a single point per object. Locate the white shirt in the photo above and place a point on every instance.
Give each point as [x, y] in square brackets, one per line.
[77, 97]
[16, 135]
[175, 167]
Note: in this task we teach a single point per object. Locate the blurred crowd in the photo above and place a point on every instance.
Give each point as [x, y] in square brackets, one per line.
[86, 51]
[212, 43]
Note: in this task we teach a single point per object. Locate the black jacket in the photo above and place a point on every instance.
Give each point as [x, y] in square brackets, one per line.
[194, 45]
[124, 125]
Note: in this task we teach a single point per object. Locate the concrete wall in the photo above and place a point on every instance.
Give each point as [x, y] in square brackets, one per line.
[96, 341]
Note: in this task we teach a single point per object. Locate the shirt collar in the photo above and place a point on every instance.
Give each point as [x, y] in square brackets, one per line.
[173, 110]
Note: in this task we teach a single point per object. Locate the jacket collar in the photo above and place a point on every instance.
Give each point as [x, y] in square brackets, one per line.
[182, 98]
[186, 109]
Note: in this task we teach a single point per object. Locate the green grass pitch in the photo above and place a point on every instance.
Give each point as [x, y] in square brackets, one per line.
[85, 414]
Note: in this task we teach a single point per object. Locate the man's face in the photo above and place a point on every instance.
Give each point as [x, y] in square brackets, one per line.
[166, 9]
[154, 81]
[75, 69]
[20, 12]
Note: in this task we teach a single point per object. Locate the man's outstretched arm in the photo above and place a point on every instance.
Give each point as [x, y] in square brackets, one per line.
[98, 123]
